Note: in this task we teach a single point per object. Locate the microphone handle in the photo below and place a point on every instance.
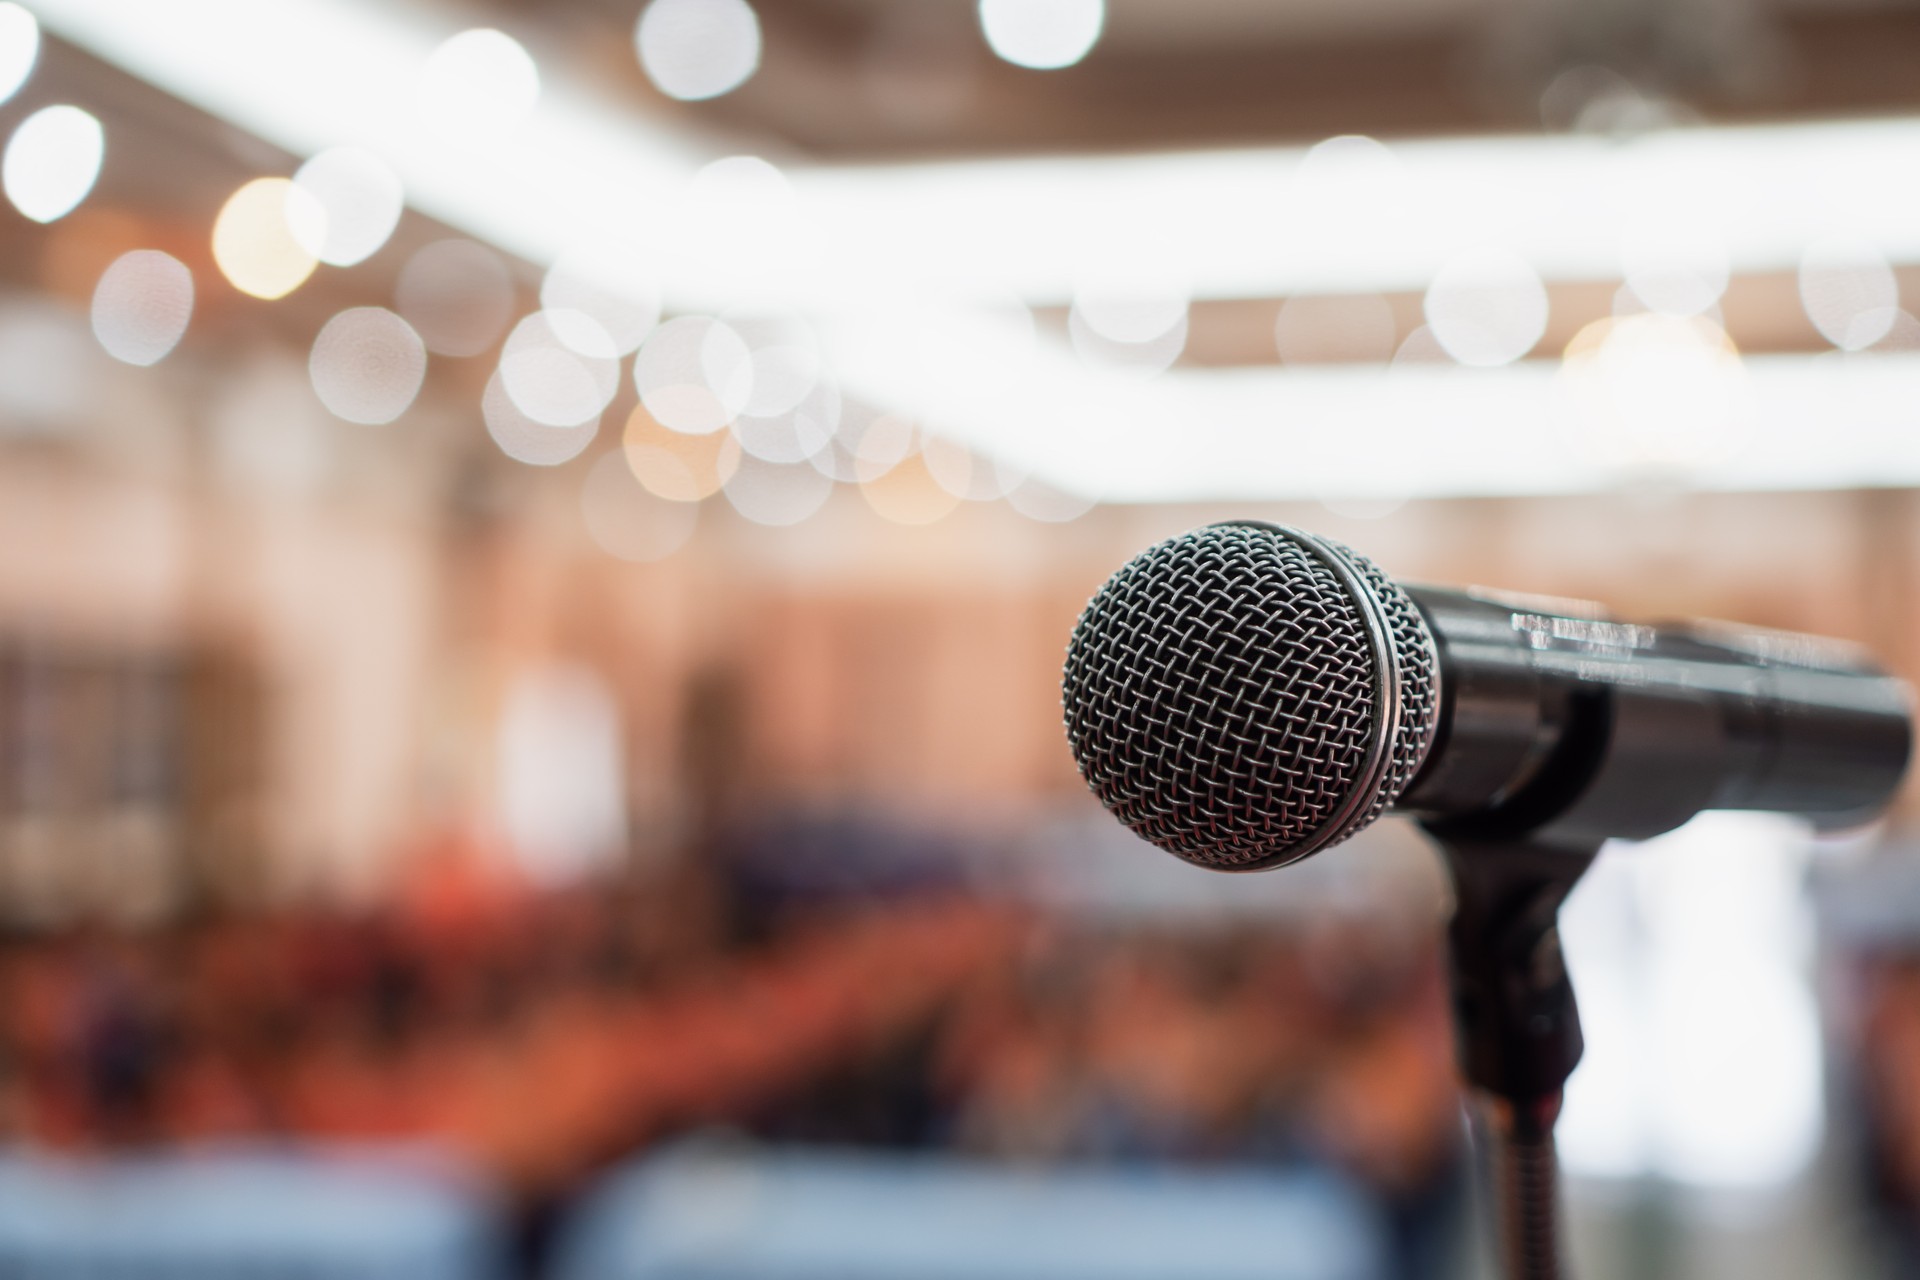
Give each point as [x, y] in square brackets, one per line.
[1576, 726]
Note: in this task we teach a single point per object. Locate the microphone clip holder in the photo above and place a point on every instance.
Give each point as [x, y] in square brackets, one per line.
[1517, 1026]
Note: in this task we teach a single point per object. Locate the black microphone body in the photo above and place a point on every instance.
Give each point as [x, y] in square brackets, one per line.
[1246, 694]
[1562, 723]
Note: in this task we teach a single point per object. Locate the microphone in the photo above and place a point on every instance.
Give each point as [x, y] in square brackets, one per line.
[1246, 694]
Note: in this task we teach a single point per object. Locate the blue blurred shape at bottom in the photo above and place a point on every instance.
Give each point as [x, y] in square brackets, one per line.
[245, 1215]
[696, 1215]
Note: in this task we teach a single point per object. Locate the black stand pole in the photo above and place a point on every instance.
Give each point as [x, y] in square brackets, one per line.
[1517, 1030]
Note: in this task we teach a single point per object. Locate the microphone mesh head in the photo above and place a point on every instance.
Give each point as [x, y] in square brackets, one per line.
[1244, 695]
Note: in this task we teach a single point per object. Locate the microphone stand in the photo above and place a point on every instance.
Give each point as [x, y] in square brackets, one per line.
[1517, 1029]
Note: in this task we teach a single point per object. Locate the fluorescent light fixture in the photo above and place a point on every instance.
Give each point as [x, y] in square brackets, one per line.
[1796, 422]
[1344, 219]
[1347, 216]
[307, 75]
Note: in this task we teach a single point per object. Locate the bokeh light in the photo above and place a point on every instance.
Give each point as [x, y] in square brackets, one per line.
[478, 85]
[1351, 189]
[52, 162]
[745, 232]
[1672, 265]
[19, 48]
[963, 472]
[1129, 309]
[1655, 394]
[1318, 328]
[615, 285]
[141, 306]
[458, 295]
[1487, 307]
[260, 238]
[837, 460]
[908, 493]
[787, 359]
[950, 463]
[1132, 307]
[559, 368]
[1042, 34]
[888, 441]
[731, 182]
[367, 365]
[523, 439]
[627, 521]
[362, 199]
[694, 374]
[1419, 350]
[1594, 99]
[776, 494]
[676, 466]
[1849, 292]
[698, 49]
[1038, 500]
[797, 434]
[1142, 359]
[1356, 161]
[793, 412]
[1903, 335]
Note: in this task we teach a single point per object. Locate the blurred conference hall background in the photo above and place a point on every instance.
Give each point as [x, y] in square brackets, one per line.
[537, 542]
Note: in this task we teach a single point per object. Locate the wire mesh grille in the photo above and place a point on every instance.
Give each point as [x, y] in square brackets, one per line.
[1220, 695]
[1413, 651]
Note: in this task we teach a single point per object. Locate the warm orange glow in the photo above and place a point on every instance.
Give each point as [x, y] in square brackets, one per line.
[908, 494]
[260, 236]
[673, 465]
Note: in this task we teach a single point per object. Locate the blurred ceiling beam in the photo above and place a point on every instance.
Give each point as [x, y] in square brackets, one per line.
[872, 80]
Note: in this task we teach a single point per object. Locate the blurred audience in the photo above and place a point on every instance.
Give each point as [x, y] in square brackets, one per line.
[547, 1034]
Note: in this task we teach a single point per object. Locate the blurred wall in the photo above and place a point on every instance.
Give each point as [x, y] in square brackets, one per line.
[843, 661]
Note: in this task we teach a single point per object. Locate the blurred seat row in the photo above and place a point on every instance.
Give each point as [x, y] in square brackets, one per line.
[405, 1213]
